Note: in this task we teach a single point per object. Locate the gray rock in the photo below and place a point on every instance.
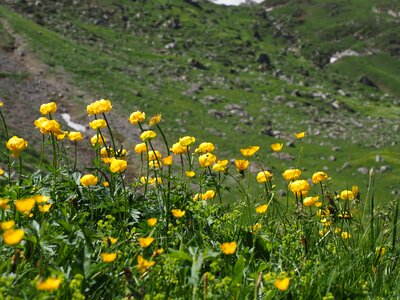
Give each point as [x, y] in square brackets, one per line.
[363, 170]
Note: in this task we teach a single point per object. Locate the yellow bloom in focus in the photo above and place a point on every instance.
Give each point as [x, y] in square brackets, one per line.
[210, 194]
[154, 155]
[143, 265]
[148, 135]
[16, 145]
[177, 148]
[88, 180]
[262, 209]
[168, 160]
[98, 124]
[345, 235]
[207, 159]
[41, 199]
[140, 148]
[276, 147]
[50, 126]
[1, 172]
[4, 203]
[282, 284]
[154, 164]
[291, 174]
[249, 151]
[228, 248]
[319, 176]
[347, 195]
[220, 166]
[7, 225]
[118, 165]
[99, 107]
[299, 187]
[155, 119]
[300, 135]
[38, 124]
[50, 284]
[108, 257]
[264, 176]
[152, 222]
[45, 208]
[145, 242]
[48, 108]
[75, 136]
[205, 147]
[98, 140]
[13, 236]
[187, 141]
[24, 205]
[137, 117]
[190, 174]
[61, 135]
[242, 164]
[310, 201]
[177, 213]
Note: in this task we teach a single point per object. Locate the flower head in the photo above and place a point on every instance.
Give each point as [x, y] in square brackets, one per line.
[220, 166]
[276, 147]
[137, 117]
[88, 180]
[207, 159]
[177, 148]
[319, 176]
[140, 148]
[7, 225]
[178, 213]
[50, 126]
[145, 242]
[264, 176]
[154, 155]
[242, 164]
[143, 264]
[228, 248]
[50, 284]
[291, 174]
[45, 208]
[310, 201]
[148, 135]
[300, 135]
[249, 151]
[282, 284]
[98, 124]
[210, 194]
[48, 108]
[190, 174]
[347, 195]
[16, 145]
[155, 119]
[98, 140]
[187, 141]
[205, 147]
[108, 257]
[299, 187]
[262, 209]
[118, 166]
[99, 107]
[152, 222]
[13, 236]
[75, 136]
[24, 205]
[4, 203]
[167, 160]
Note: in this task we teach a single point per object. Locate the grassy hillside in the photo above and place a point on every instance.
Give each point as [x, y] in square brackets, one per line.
[235, 76]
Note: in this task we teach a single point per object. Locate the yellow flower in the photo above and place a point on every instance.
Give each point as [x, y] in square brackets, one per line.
[45, 208]
[262, 209]
[158, 252]
[48, 108]
[282, 284]
[249, 151]
[356, 191]
[291, 174]
[347, 195]
[152, 222]
[154, 155]
[310, 201]
[108, 257]
[145, 242]
[187, 141]
[118, 165]
[38, 124]
[155, 119]
[207, 159]
[256, 227]
[264, 176]
[106, 184]
[177, 148]
[168, 160]
[99, 107]
[178, 213]
[319, 176]
[205, 147]
[345, 235]
[148, 135]
[98, 124]
[13, 236]
[88, 180]
[24, 205]
[276, 147]
[110, 240]
[1, 172]
[75, 136]
[50, 126]
[98, 140]
[190, 174]
[61, 135]
[228, 248]
[16, 145]
[300, 135]
[7, 225]
[137, 117]
[1, 103]
[50, 284]
[143, 265]
[140, 148]
[4, 203]
[220, 166]
[210, 194]
[154, 164]
[299, 187]
[242, 164]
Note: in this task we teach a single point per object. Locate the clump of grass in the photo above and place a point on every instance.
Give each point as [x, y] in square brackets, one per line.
[174, 232]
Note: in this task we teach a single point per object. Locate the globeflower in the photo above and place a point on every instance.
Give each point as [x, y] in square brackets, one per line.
[38, 124]
[220, 166]
[44, 208]
[148, 135]
[276, 147]
[167, 160]
[140, 148]
[6, 225]
[187, 141]
[210, 194]
[264, 176]
[177, 213]
[207, 159]
[50, 126]
[88, 180]
[347, 195]
[108, 257]
[145, 242]
[319, 176]
[75, 136]
[177, 148]
[282, 284]
[24, 205]
[249, 151]
[50, 284]
[4, 203]
[299, 187]
[152, 222]
[137, 117]
[300, 135]
[310, 201]
[16, 145]
[13, 236]
[154, 155]
[48, 108]
[262, 209]
[291, 174]
[228, 248]
[98, 124]
[155, 119]
[143, 264]
[99, 107]
[118, 166]
[205, 147]
[242, 164]
[190, 174]
[98, 140]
